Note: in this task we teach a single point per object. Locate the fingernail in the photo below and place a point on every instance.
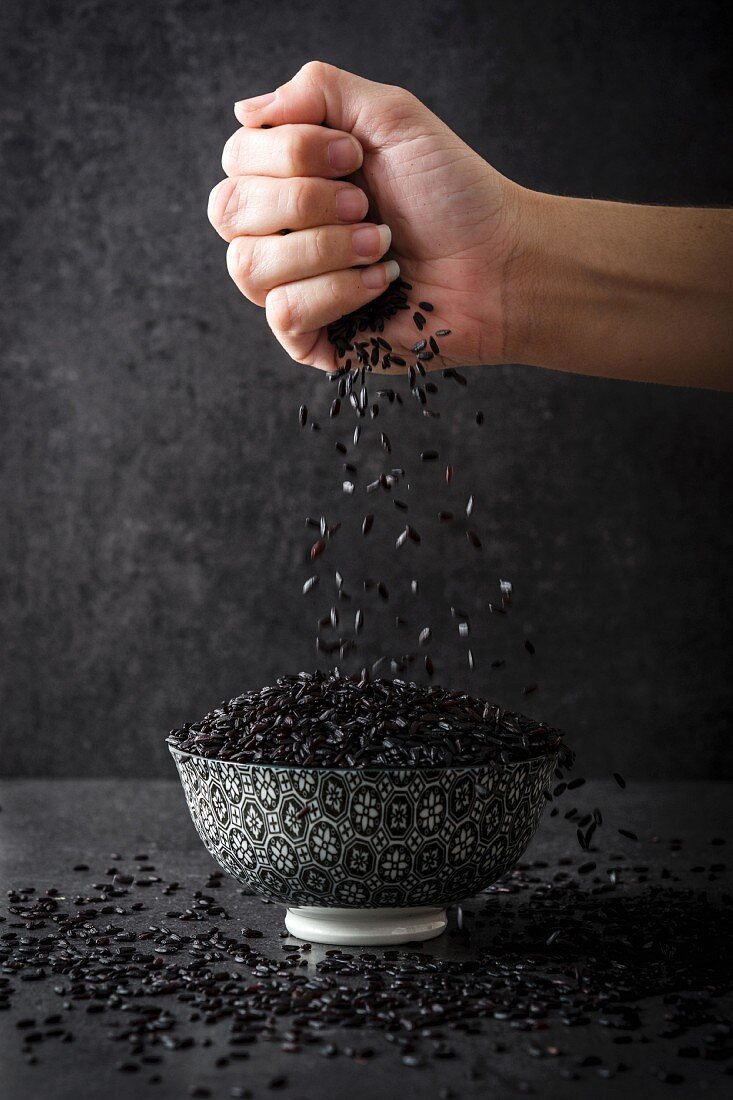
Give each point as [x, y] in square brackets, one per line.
[371, 240]
[351, 204]
[256, 102]
[343, 154]
[380, 275]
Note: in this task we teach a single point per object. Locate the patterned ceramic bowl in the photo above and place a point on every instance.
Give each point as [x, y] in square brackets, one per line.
[364, 855]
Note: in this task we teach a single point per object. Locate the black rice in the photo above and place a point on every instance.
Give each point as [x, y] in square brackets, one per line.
[321, 719]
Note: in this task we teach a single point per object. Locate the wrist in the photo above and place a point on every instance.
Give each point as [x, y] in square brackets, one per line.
[539, 295]
[618, 290]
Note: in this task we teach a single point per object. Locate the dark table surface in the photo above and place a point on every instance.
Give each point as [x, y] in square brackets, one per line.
[49, 826]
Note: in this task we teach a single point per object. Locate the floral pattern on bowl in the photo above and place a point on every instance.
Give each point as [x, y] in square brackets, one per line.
[356, 838]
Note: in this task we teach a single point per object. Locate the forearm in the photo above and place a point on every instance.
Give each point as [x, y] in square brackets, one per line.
[622, 291]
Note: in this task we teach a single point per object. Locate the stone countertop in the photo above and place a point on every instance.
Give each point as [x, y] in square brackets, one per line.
[47, 827]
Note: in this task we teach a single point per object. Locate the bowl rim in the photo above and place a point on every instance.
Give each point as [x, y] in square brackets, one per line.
[174, 750]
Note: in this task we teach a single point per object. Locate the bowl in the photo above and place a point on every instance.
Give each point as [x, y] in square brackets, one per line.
[364, 856]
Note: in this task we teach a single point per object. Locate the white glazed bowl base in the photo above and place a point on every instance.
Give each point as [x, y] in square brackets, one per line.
[365, 927]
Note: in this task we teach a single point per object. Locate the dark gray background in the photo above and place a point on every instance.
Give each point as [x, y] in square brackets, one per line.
[154, 484]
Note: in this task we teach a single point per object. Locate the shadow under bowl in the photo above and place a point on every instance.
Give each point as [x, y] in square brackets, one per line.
[365, 856]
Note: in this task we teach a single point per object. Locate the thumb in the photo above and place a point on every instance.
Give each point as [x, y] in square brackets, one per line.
[376, 114]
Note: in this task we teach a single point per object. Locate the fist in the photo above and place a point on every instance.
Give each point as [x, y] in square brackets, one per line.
[310, 245]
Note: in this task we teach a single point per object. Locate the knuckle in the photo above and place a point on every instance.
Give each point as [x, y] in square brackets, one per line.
[236, 263]
[234, 212]
[212, 207]
[220, 201]
[334, 288]
[301, 194]
[318, 72]
[281, 310]
[320, 246]
[230, 155]
[298, 152]
[404, 96]
[243, 263]
[399, 109]
[257, 268]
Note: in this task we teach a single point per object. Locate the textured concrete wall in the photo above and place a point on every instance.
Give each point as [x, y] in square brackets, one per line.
[153, 482]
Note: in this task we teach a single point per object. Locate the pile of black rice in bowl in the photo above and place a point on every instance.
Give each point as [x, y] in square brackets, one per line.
[332, 720]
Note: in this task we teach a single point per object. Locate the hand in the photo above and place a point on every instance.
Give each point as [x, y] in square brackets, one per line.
[453, 219]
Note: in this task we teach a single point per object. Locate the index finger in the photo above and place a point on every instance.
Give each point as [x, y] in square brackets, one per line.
[291, 150]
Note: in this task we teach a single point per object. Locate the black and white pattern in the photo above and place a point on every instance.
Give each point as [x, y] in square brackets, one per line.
[361, 837]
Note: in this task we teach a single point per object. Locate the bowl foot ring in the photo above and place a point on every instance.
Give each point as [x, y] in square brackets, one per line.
[365, 927]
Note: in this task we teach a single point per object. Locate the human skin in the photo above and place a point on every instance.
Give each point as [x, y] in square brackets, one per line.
[610, 289]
